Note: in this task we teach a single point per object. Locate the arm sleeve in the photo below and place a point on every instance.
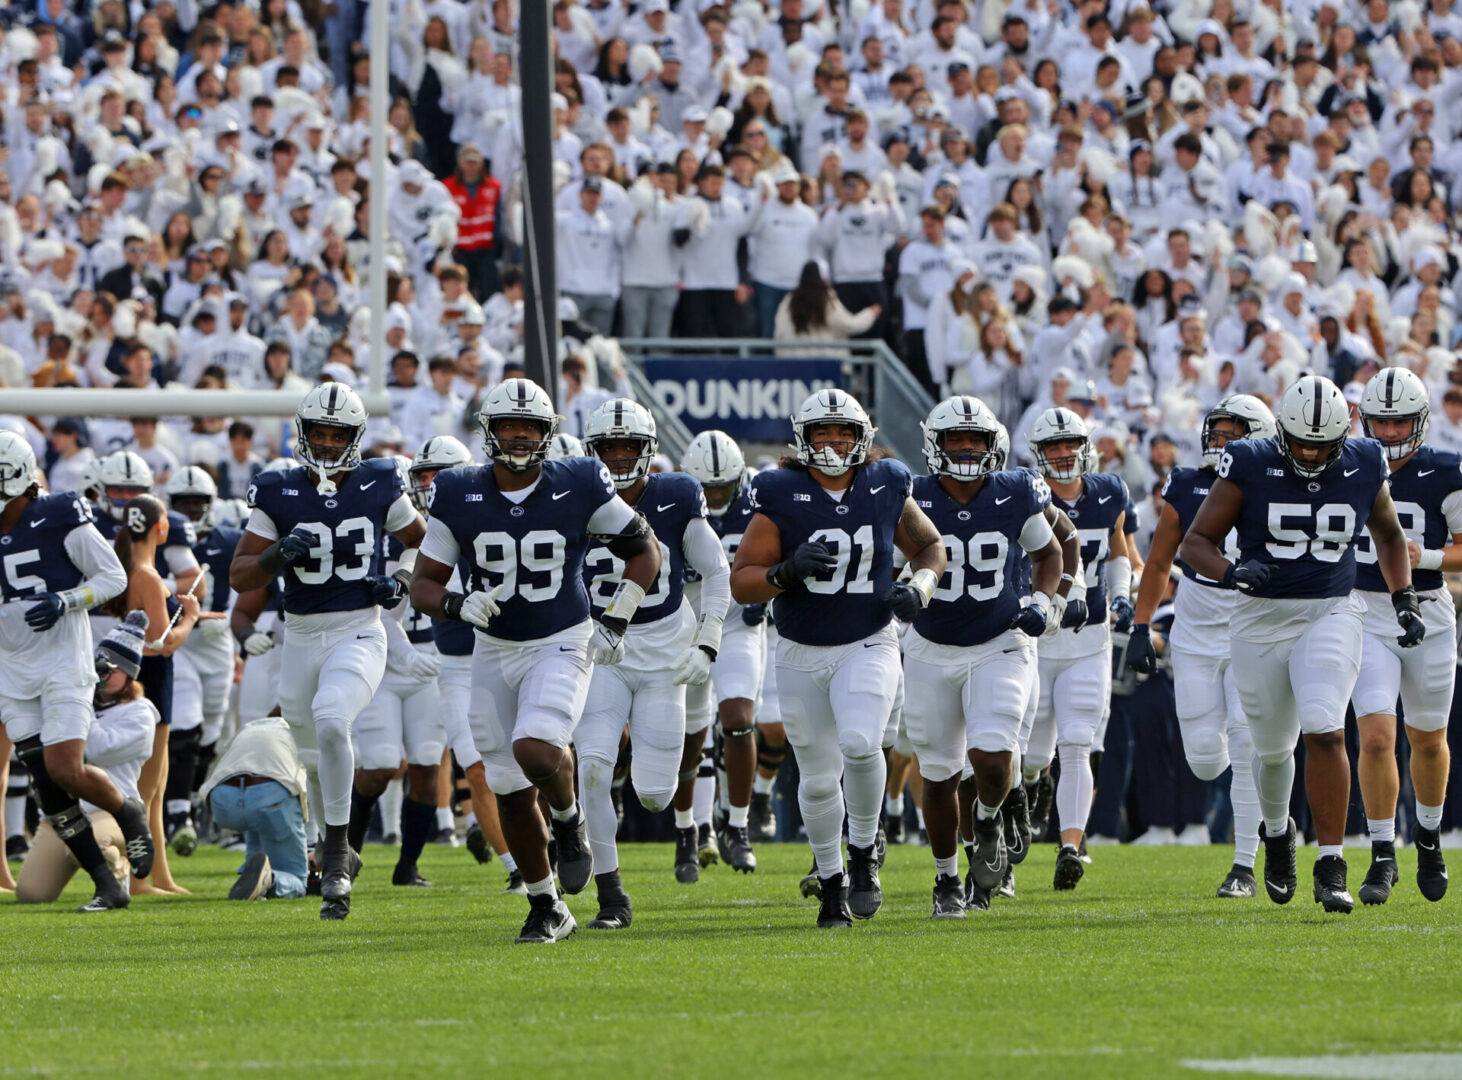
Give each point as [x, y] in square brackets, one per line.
[94, 557]
[440, 545]
[1036, 533]
[705, 554]
[611, 519]
[179, 558]
[1452, 511]
[400, 514]
[261, 524]
[121, 734]
[1119, 576]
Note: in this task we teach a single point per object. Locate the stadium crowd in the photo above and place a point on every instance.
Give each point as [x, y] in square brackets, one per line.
[1130, 209]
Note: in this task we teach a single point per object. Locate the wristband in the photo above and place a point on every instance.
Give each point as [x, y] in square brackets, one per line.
[925, 581]
[708, 635]
[782, 576]
[272, 558]
[624, 603]
[80, 598]
[1431, 559]
[243, 635]
[452, 605]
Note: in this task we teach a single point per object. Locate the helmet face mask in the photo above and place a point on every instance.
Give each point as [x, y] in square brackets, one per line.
[961, 439]
[334, 447]
[627, 458]
[1061, 446]
[192, 493]
[437, 453]
[1310, 466]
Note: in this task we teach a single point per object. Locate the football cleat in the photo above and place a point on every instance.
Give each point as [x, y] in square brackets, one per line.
[183, 838]
[516, 885]
[549, 920]
[990, 861]
[447, 837]
[763, 825]
[1069, 868]
[1431, 867]
[811, 885]
[706, 853]
[880, 842]
[407, 874]
[893, 828]
[976, 898]
[111, 895]
[1376, 888]
[337, 873]
[1007, 884]
[949, 898]
[832, 911]
[477, 844]
[687, 868]
[575, 860]
[865, 893]
[1042, 796]
[1280, 873]
[16, 846]
[1330, 890]
[615, 909]
[1239, 885]
[254, 880]
[1015, 812]
[735, 848]
[132, 820]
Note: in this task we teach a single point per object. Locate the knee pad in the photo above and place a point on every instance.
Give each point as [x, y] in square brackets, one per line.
[821, 787]
[855, 744]
[69, 822]
[655, 801]
[1274, 757]
[30, 750]
[332, 732]
[595, 772]
[767, 756]
[1206, 750]
[182, 742]
[687, 776]
[1078, 735]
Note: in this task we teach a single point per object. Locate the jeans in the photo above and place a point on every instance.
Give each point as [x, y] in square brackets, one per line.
[273, 822]
[767, 299]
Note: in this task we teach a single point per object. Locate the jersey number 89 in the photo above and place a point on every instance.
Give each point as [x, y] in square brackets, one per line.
[985, 555]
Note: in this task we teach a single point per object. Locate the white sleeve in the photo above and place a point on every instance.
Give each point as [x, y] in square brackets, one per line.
[121, 734]
[179, 558]
[1119, 576]
[1452, 511]
[261, 524]
[101, 569]
[703, 551]
[440, 545]
[1036, 533]
[612, 518]
[400, 515]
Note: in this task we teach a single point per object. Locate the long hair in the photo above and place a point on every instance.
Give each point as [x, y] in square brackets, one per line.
[140, 516]
[808, 302]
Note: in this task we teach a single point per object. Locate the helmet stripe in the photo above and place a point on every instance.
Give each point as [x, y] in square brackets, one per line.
[1390, 388]
[1315, 385]
[715, 455]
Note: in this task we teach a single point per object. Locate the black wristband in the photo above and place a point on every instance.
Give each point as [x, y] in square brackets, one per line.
[782, 576]
[452, 605]
[614, 624]
[272, 558]
[1405, 600]
[244, 635]
[708, 651]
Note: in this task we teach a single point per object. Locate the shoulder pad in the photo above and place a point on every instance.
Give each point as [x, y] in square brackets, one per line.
[263, 485]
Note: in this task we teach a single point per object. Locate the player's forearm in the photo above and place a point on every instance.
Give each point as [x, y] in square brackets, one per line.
[1150, 588]
[749, 585]
[643, 567]
[1203, 555]
[427, 594]
[1046, 569]
[931, 556]
[245, 573]
[1393, 559]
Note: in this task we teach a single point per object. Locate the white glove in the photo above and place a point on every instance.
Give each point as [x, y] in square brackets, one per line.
[606, 645]
[257, 644]
[212, 629]
[480, 607]
[422, 666]
[692, 667]
[1055, 615]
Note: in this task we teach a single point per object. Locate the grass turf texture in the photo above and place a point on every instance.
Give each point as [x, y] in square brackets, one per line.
[1136, 971]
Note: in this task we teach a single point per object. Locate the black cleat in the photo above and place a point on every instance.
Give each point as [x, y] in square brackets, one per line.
[1042, 796]
[880, 842]
[865, 893]
[1431, 866]
[893, 828]
[111, 895]
[516, 885]
[575, 860]
[477, 844]
[976, 898]
[549, 920]
[132, 820]
[705, 848]
[312, 883]
[337, 874]
[1280, 873]
[1015, 812]
[949, 898]
[763, 823]
[832, 911]
[615, 909]
[1007, 884]
[687, 868]
[183, 836]
[734, 847]
[1330, 890]
[1239, 885]
[254, 880]
[407, 874]
[1069, 868]
[810, 886]
[990, 861]
[16, 847]
[446, 837]
[1376, 888]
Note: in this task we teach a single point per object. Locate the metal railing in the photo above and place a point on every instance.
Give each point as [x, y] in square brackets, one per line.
[875, 375]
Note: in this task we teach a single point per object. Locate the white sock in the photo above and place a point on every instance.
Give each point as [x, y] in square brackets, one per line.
[596, 777]
[763, 785]
[738, 816]
[1428, 817]
[565, 815]
[176, 806]
[1074, 789]
[539, 888]
[919, 817]
[685, 819]
[863, 782]
[705, 798]
[510, 864]
[391, 800]
[14, 816]
[947, 867]
[1338, 850]
[983, 812]
[444, 818]
[1382, 832]
[471, 819]
[894, 806]
[1244, 797]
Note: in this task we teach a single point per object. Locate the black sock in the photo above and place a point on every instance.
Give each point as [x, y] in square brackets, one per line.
[361, 807]
[418, 822]
[82, 844]
[204, 763]
[182, 763]
[609, 885]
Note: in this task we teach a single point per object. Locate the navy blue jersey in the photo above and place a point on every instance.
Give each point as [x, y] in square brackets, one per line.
[979, 594]
[215, 553]
[670, 502]
[1094, 513]
[730, 527]
[1305, 529]
[181, 534]
[350, 527]
[846, 604]
[534, 548]
[1418, 489]
[1184, 490]
[33, 553]
[417, 626]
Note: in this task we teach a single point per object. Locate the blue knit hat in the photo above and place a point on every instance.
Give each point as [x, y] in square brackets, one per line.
[122, 647]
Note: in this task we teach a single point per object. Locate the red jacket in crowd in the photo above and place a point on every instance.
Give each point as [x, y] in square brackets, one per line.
[479, 212]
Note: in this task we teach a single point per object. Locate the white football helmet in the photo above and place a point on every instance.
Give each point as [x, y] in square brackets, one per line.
[230, 513]
[89, 483]
[565, 446]
[1060, 425]
[279, 464]
[714, 461]
[192, 484]
[1001, 460]
[126, 470]
[17, 467]
[1244, 409]
[1396, 394]
[962, 413]
[831, 407]
[1313, 412]
[330, 404]
[621, 418]
[437, 453]
[518, 399]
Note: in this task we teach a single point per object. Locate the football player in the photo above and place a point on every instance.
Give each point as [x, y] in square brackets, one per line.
[1075, 663]
[1426, 486]
[524, 525]
[820, 542]
[969, 655]
[1299, 501]
[666, 647]
[324, 523]
[56, 566]
[1211, 721]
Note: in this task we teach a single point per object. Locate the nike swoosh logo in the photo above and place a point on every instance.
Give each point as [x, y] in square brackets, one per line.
[212, 551]
[1426, 847]
[1351, 472]
[1002, 502]
[875, 491]
[1282, 892]
[362, 637]
[364, 486]
[1385, 860]
[36, 522]
[567, 648]
[1104, 500]
[662, 509]
[870, 644]
[1427, 473]
[559, 495]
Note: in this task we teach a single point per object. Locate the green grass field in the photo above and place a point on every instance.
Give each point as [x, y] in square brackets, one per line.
[1134, 974]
